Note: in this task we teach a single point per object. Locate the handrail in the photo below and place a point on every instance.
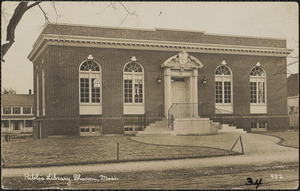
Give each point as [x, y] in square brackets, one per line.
[205, 110]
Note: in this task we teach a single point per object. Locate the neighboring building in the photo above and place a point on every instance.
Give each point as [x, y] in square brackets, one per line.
[101, 80]
[16, 113]
[293, 99]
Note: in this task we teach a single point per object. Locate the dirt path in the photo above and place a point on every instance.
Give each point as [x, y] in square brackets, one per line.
[254, 144]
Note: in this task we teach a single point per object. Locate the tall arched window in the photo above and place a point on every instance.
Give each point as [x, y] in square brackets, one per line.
[37, 94]
[258, 90]
[133, 76]
[223, 88]
[90, 88]
[43, 90]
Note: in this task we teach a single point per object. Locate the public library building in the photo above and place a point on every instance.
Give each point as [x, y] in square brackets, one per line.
[91, 80]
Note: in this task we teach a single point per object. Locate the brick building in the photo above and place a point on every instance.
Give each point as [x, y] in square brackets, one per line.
[293, 99]
[16, 113]
[101, 80]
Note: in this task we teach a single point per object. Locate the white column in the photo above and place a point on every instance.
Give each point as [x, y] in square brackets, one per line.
[194, 87]
[192, 102]
[167, 88]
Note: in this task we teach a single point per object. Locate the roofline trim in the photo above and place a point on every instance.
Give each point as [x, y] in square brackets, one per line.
[103, 26]
[245, 36]
[158, 45]
[165, 29]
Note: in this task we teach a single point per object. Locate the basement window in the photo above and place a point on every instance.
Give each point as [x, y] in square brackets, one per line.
[86, 130]
[261, 125]
[131, 128]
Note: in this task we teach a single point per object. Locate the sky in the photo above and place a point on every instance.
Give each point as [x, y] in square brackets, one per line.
[258, 19]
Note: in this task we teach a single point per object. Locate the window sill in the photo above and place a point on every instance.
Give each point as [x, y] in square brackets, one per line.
[90, 109]
[132, 109]
[224, 108]
[87, 104]
[258, 108]
[129, 104]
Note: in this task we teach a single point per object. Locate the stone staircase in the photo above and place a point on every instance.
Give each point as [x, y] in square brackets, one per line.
[230, 129]
[159, 128]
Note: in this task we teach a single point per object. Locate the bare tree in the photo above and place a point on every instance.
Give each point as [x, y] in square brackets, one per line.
[22, 8]
[13, 23]
[9, 91]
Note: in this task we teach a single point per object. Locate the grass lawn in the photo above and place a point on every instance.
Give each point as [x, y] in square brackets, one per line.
[85, 150]
[290, 138]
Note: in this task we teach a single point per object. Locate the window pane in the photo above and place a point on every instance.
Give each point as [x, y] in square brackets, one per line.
[253, 125]
[133, 67]
[26, 110]
[89, 66]
[223, 70]
[84, 90]
[28, 123]
[138, 91]
[261, 92]
[6, 123]
[218, 87]
[6, 110]
[16, 110]
[227, 92]
[128, 91]
[253, 92]
[95, 90]
[257, 71]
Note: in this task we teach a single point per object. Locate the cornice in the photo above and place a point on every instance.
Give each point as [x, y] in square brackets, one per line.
[45, 40]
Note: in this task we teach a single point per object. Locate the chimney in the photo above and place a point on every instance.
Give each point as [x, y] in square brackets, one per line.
[29, 91]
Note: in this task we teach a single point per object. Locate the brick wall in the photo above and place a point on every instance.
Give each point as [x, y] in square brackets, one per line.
[62, 86]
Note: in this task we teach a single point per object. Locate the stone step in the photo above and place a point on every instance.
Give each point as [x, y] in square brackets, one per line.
[227, 130]
[154, 131]
[158, 125]
[229, 127]
[157, 133]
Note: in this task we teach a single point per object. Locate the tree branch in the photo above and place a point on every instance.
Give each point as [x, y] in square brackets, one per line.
[12, 25]
[32, 5]
[132, 13]
[45, 15]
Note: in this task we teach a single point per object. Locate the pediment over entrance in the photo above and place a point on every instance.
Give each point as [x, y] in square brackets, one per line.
[182, 61]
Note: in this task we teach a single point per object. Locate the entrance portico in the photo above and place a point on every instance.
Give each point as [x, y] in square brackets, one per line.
[180, 80]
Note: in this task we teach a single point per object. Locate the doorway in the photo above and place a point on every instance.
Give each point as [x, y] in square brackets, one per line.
[180, 90]
[180, 96]
[16, 126]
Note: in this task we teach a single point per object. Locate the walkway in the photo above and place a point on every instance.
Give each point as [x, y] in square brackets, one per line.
[259, 150]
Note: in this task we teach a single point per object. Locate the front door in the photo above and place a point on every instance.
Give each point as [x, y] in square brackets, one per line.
[16, 126]
[180, 92]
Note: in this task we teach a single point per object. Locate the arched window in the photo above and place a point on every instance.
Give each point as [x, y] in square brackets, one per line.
[133, 76]
[43, 90]
[258, 90]
[257, 85]
[90, 87]
[223, 88]
[37, 94]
